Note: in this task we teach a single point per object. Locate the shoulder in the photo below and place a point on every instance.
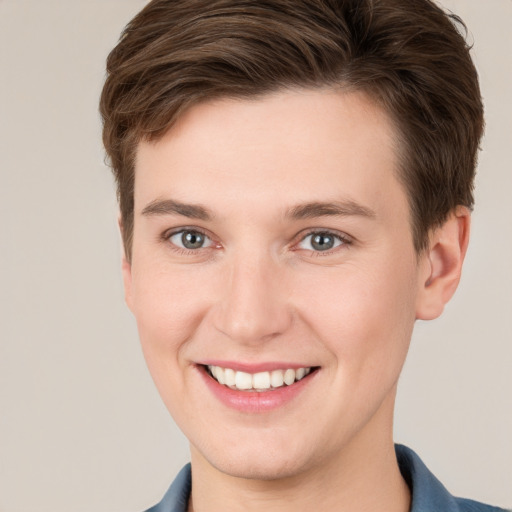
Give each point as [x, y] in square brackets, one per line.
[466, 505]
[428, 493]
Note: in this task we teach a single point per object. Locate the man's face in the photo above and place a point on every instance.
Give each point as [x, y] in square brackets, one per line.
[273, 235]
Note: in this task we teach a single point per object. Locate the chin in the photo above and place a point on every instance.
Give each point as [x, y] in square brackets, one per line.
[264, 468]
[260, 461]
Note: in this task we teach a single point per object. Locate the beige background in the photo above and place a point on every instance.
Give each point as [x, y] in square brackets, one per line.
[81, 426]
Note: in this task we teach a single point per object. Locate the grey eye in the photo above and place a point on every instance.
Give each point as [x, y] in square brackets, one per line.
[320, 241]
[190, 239]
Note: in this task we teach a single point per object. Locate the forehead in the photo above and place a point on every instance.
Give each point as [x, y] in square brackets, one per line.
[279, 149]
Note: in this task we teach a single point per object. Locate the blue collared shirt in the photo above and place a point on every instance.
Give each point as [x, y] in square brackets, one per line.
[428, 493]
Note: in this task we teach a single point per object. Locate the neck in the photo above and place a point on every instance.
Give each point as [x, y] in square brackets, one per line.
[363, 477]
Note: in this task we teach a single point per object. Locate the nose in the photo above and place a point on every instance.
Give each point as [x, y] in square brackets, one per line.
[253, 306]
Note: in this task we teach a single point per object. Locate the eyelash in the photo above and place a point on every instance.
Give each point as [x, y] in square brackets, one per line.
[343, 239]
[167, 235]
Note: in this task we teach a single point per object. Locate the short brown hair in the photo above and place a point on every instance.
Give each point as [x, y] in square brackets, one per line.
[407, 54]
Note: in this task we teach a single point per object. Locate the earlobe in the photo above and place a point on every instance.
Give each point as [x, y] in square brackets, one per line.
[442, 264]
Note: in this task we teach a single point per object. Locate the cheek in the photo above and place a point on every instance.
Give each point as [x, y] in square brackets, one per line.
[166, 303]
[167, 307]
[364, 314]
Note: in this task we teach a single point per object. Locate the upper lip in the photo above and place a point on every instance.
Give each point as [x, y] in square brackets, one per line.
[267, 366]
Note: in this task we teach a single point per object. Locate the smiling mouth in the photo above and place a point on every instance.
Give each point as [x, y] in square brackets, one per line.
[258, 382]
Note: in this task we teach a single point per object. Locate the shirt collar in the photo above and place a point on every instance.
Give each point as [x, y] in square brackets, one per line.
[176, 498]
[427, 492]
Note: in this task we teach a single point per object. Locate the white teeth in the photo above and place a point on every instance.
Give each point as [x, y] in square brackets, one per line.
[229, 377]
[276, 378]
[243, 380]
[289, 377]
[260, 381]
[219, 374]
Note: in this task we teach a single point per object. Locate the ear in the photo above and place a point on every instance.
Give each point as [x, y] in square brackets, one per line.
[126, 269]
[441, 265]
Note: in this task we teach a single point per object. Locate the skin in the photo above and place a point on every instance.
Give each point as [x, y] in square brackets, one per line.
[258, 291]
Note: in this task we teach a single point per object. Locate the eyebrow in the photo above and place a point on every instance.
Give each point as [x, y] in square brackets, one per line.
[170, 207]
[335, 209]
[299, 212]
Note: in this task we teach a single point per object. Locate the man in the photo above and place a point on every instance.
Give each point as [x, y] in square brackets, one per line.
[295, 184]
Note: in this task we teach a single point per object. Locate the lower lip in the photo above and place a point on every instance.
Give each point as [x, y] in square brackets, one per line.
[255, 401]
